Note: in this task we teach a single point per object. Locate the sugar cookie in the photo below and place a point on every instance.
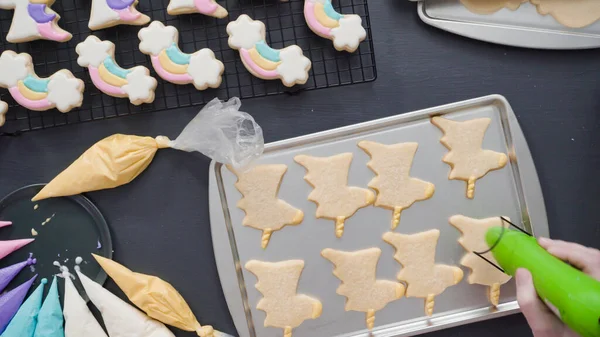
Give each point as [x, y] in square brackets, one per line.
[171, 64]
[259, 187]
[467, 159]
[424, 278]
[34, 20]
[278, 283]
[491, 6]
[396, 189]
[3, 110]
[61, 90]
[110, 13]
[363, 291]
[287, 64]
[345, 30]
[473, 240]
[206, 7]
[99, 57]
[334, 198]
[573, 13]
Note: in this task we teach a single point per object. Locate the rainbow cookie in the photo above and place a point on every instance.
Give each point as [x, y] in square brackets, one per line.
[34, 20]
[171, 64]
[287, 64]
[206, 7]
[109, 13]
[345, 30]
[3, 110]
[99, 57]
[61, 90]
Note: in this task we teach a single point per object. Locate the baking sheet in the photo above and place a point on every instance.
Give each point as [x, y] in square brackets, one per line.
[524, 27]
[513, 191]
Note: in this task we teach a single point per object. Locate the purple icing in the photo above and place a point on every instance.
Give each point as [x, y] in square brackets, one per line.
[7, 274]
[38, 13]
[11, 301]
[119, 4]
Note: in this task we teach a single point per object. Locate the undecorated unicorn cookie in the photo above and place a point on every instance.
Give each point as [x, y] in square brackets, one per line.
[3, 110]
[109, 13]
[288, 64]
[61, 90]
[206, 7]
[34, 20]
[99, 57]
[574, 14]
[171, 64]
[345, 30]
[491, 6]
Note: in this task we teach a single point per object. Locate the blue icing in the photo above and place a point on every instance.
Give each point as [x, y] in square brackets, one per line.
[36, 84]
[24, 322]
[50, 318]
[330, 12]
[114, 69]
[177, 56]
[267, 52]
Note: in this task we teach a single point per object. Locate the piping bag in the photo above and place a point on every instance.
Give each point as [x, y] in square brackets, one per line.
[574, 294]
[219, 131]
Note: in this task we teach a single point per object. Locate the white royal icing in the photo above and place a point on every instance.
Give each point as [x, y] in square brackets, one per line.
[205, 69]
[101, 15]
[22, 26]
[349, 33]
[79, 320]
[156, 37]
[178, 4]
[3, 110]
[93, 51]
[294, 66]
[13, 67]
[245, 32]
[140, 85]
[65, 91]
[120, 318]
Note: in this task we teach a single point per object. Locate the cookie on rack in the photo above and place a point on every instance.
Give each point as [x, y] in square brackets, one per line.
[99, 57]
[34, 20]
[334, 198]
[61, 90]
[206, 7]
[466, 157]
[288, 64]
[200, 68]
[345, 30]
[396, 189]
[3, 110]
[110, 13]
[491, 6]
[573, 14]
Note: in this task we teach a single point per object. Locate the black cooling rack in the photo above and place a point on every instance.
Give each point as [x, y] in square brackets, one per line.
[285, 25]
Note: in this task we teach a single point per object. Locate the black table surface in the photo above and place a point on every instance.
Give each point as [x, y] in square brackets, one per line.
[160, 221]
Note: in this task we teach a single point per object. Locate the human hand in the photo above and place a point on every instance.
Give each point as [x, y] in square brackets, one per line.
[540, 318]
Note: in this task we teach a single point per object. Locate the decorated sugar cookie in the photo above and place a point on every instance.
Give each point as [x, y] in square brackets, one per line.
[424, 278]
[61, 90]
[491, 6]
[259, 187]
[3, 110]
[278, 283]
[363, 291]
[34, 20]
[396, 189]
[334, 198]
[345, 30]
[171, 64]
[467, 159]
[574, 14]
[99, 57]
[206, 7]
[287, 64]
[109, 13]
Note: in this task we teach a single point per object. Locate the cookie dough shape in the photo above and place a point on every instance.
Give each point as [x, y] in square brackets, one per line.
[206, 7]
[278, 283]
[467, 159]
[363, 291]
[570, 13]
[288, 64]
[424, 278]
[61, 90]
[200, 68]
[259, 187]
[3, 110]
[99, 57]
[345, 30]
[110, 13]
[473, 240]
[491, 6]
[34, 20]
[334, 198]
[396, 189]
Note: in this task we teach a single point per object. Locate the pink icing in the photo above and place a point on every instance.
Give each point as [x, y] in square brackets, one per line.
[129, 14]
[309, 15]
[47, 31]
[42, 104]
[103, 86]
[266, 74]
[205, 6]
[174, 78]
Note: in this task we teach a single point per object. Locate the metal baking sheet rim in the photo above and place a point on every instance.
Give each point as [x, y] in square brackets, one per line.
[512, 36]
[230, 270]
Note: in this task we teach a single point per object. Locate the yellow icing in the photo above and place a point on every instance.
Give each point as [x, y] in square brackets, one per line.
[30, 94]
[323, 18]
[171, 66]
[109, 77]
[261, 61]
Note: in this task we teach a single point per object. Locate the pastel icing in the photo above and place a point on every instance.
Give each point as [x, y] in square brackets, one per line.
[177, 56]
[261, 61]
[25, 320]
[7, 274]
[345, 30]
[168, 65]
[328, 8]
[30, 94]
[38, 13]
[50, 317]
[171, 77]
[9, 246]
[33, 20]
[42, 104]
[256, 68]
[103, 85]
[114, 68]
[109, 13]
[11, 301]
[323, 18]
[79, 320]
[5, 223]
[119, 4]
[36, 84]
[110, 78]
[206, 7]
[267, 52]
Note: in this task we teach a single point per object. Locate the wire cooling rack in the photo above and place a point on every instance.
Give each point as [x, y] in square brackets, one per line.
[285, 25]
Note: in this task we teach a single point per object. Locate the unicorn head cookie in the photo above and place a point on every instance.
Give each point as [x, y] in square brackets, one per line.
[34, 20]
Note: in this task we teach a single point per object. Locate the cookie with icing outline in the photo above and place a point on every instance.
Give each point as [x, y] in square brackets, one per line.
[345, 30]
[206, 7]
[491, 6]
[110, 13]
[34, 20]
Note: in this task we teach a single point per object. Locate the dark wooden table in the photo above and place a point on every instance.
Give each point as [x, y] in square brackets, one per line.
[160, 222]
